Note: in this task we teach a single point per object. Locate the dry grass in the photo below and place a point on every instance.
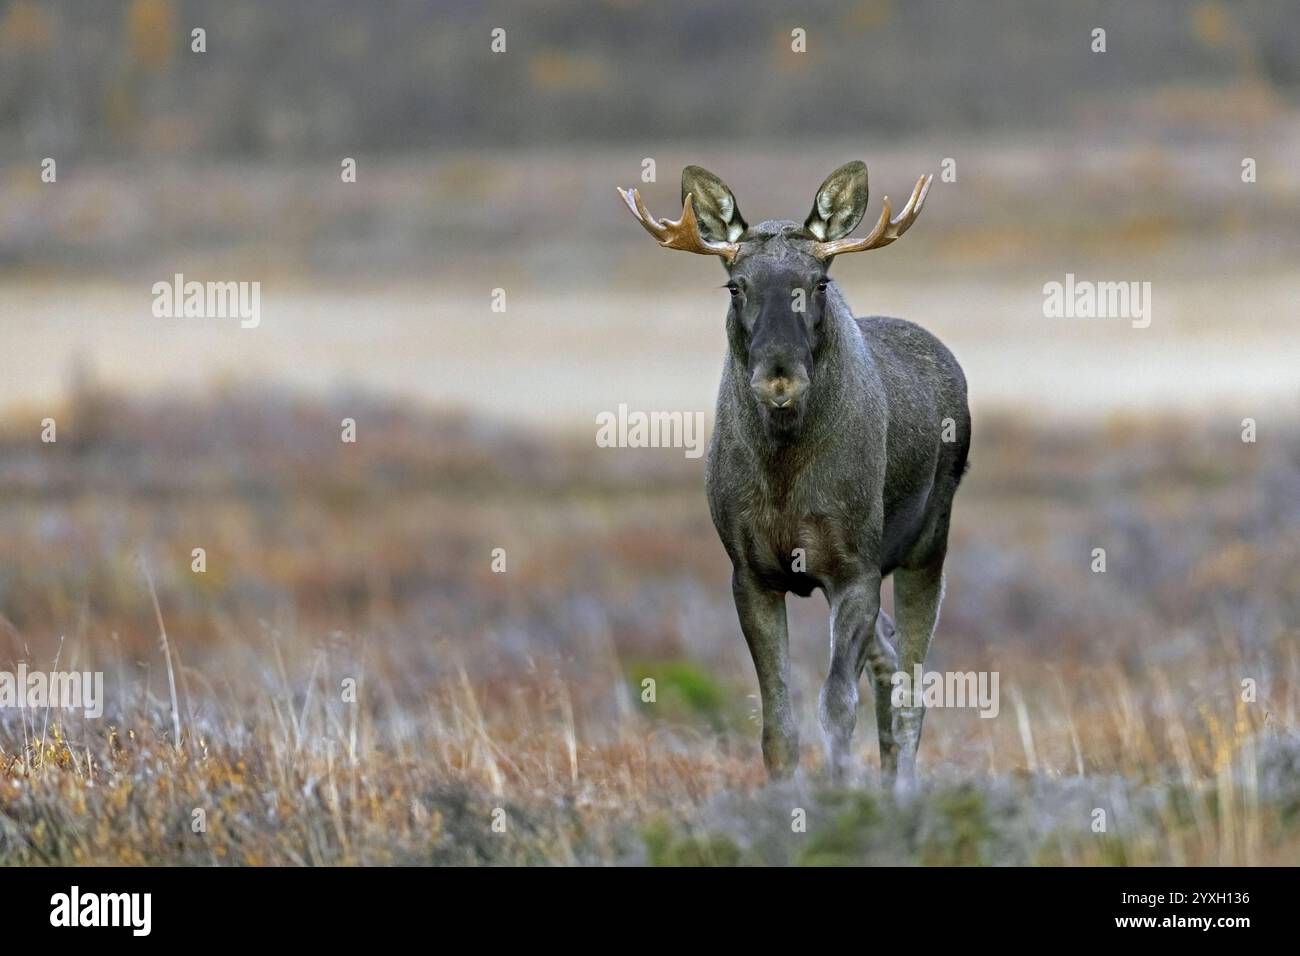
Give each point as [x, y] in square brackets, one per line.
[519, 692]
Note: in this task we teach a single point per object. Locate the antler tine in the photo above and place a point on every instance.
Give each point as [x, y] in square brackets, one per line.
[886, 230]
[913, 207]
[682, 234]
[637, 207]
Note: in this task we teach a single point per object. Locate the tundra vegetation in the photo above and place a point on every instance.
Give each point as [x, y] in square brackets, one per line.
[523, 692]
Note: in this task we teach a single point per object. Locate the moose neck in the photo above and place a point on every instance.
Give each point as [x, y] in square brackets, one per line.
[841, 365]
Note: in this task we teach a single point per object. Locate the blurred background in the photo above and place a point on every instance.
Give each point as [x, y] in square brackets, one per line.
[478, 171]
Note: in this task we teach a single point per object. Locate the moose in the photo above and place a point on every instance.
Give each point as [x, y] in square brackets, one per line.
[838, 445]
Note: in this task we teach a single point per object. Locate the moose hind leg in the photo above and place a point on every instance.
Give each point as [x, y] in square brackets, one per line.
[918, 594]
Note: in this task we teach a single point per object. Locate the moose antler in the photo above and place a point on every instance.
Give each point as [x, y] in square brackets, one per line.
[684, 234]
[886, 231]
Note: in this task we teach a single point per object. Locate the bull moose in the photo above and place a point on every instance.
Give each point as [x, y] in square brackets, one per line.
[838, 445]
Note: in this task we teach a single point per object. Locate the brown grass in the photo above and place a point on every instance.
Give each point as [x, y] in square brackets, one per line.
[520, 692]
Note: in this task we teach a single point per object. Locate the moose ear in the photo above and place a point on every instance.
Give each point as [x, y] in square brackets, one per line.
[841, 201]
[715, 206]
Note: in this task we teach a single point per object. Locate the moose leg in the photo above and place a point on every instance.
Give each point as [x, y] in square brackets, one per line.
[918, 594]
[762, 619]
[853, 631]
[883, 659]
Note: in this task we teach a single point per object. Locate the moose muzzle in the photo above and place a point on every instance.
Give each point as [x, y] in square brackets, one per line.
[779, 387]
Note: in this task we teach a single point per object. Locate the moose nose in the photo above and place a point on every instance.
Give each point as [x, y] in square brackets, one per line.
[777, 391]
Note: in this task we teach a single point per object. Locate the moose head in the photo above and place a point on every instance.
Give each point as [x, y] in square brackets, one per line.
[777, 274]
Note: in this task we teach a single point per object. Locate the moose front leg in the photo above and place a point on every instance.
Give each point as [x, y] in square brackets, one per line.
[883, 659]
[763, 621]
[854, 608]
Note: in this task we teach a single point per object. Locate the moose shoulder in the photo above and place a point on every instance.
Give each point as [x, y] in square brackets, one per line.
[838, 447]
